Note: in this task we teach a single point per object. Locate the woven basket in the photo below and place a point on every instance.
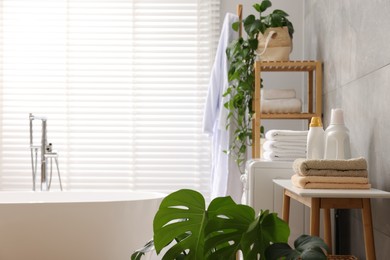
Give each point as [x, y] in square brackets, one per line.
[274, 45]
[341, 257]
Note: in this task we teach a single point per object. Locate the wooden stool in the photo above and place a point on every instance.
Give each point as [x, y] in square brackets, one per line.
[327, 199]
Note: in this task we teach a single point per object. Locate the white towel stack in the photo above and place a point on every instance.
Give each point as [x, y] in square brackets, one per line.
[279, 101]
[284, 145]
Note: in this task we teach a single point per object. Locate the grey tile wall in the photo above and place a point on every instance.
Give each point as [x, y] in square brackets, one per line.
[352, 38]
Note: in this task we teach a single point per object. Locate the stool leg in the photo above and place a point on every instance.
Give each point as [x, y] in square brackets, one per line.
[286, 207]
[368, 230]
[315, 217]
[327, 229]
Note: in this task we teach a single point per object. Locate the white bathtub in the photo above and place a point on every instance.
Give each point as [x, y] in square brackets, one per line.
[75, 225]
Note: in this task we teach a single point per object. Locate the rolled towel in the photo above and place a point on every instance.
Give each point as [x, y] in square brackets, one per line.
[287, 135]
[280, 106]
[356, 167]
[290, 157]
[277, 93]
[270, 145]
[322, 182]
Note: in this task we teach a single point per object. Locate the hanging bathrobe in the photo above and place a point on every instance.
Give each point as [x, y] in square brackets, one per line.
[225, 175]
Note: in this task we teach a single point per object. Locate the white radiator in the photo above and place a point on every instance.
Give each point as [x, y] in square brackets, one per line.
[261, 193]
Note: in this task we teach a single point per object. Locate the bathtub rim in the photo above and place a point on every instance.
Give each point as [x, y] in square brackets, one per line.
[76, 196]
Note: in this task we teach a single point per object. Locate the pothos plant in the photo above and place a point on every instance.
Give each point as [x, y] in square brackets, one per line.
[186, 229]
[241, 54]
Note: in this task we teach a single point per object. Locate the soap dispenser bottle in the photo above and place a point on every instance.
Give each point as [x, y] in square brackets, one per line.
[337, 144]
[315, 139]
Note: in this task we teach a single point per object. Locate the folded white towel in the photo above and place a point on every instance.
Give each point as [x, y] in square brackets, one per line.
[286, 135]
[277, 146]
[271, 156]
[277, 93]
[287, 153]
[279, 106]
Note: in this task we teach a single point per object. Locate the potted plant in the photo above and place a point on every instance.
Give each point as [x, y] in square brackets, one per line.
[242, 55]
[187, 230]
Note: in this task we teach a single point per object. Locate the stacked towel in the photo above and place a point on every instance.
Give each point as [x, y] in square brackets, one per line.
[279, 101]
[286, 135]
[284, 145]
[278, 93]
[331, 174]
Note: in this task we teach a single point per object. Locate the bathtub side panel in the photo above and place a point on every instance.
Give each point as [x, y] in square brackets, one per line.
[99, 231]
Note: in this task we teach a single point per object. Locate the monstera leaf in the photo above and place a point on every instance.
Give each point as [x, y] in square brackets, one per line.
[227, 223]
[180, 220]
[187, 230]
[267, 228]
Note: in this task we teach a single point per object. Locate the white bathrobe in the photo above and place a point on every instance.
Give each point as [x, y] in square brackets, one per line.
[225, 175]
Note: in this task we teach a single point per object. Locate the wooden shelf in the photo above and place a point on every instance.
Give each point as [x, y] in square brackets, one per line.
[287, 116]
[314, 94]
[288, 65]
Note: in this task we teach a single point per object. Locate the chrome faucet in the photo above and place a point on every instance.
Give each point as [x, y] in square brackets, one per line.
[46, 153]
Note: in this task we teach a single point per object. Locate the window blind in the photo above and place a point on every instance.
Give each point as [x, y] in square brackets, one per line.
[122, 83]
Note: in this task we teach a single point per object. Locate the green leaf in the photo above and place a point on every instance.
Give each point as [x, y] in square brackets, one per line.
[252, 242]
[234, 76]
[264, 5]
[276, 20]
[257, 7]
[305, 242]
[248, 22]
[148, 247]
[236, 26]
[265, 229]
[227, 92]
[267, 21]
[278, 250]
[181, 217]
[254, 29]
[306, 248]
[290, 28]
[280, 12]
[228, 222]
[272, 223]
[243, 147]
[253, 43]
[313, 254]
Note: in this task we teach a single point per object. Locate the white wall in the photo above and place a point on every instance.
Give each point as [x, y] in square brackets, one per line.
[279, 80]
[352, 39]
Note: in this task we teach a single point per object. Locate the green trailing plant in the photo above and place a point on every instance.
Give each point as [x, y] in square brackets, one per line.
[241, 55]
[186, 229]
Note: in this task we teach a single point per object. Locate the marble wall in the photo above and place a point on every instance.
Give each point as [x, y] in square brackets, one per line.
[352, 38]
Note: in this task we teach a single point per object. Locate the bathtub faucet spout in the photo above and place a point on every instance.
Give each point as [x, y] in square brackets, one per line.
[46, 154]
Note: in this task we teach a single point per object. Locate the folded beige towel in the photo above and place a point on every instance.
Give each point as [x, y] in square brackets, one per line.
[356, 167]
[290, 105]
[277, 93]
[322, 182]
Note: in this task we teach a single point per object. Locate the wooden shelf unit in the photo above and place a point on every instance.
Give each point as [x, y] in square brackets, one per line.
[314, 94]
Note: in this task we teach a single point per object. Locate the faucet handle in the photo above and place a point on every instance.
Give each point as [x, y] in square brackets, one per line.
[49, 148]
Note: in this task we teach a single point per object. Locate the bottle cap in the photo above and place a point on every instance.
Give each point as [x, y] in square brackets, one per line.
[315, 122]
[337, 117]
